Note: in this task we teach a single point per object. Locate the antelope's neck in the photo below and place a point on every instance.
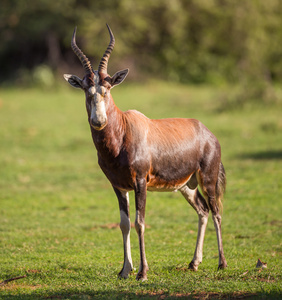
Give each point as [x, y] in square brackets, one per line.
[109, 140]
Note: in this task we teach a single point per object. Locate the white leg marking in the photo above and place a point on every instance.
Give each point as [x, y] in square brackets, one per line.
[189, 195]
[202, 224]
[198, 255]
[125, 228]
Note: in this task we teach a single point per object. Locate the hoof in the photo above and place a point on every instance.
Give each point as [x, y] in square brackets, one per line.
[193, 267]
[124, 274]
[141, 277]
[222, 266]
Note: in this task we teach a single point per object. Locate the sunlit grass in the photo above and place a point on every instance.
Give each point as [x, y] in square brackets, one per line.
[59, 215]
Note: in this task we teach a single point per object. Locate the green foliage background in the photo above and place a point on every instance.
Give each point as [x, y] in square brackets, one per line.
[192, 41]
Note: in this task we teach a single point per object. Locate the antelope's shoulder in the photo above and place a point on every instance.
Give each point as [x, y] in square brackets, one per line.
[134, 114]
[135, 120]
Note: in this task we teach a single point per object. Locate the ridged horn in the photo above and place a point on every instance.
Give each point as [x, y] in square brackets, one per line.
[104, 60]
[81, 56]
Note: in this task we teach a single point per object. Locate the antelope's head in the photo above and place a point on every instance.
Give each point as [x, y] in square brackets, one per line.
[96, 84]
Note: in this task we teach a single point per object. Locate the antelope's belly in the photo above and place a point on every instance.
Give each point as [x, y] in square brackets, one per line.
[157, 183]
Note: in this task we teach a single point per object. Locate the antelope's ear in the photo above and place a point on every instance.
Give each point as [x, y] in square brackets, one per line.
[73, 80]
[119, 77]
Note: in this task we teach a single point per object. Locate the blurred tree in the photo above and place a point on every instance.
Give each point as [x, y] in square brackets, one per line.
[182, 40]
[32, 33]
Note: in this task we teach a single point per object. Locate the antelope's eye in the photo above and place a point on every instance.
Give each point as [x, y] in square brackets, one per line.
[103, 91]
[92, 90]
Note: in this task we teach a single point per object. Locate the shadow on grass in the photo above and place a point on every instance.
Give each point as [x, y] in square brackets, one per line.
[263, 155]
[146, 295]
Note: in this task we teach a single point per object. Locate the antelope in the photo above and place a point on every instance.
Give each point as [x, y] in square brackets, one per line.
[141, 154]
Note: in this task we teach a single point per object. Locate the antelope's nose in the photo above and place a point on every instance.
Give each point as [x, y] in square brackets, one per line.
[98, 125]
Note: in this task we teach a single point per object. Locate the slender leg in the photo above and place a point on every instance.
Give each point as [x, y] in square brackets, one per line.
[198, 255]
[211, 200]
[125, 229]
[140, 203]
[207, 177]
[222, 264]
[196, 200]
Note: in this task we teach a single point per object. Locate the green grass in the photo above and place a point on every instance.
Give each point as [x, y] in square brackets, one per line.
[58, 213]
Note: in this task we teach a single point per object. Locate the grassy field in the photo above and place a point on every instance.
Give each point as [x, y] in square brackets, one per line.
[59, 215]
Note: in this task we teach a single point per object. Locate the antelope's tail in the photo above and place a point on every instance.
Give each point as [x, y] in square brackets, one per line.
[220, 186]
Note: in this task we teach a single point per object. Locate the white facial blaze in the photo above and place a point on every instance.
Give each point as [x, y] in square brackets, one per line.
[98, 108]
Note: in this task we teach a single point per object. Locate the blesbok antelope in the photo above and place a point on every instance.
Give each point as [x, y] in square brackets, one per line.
[140, 154]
